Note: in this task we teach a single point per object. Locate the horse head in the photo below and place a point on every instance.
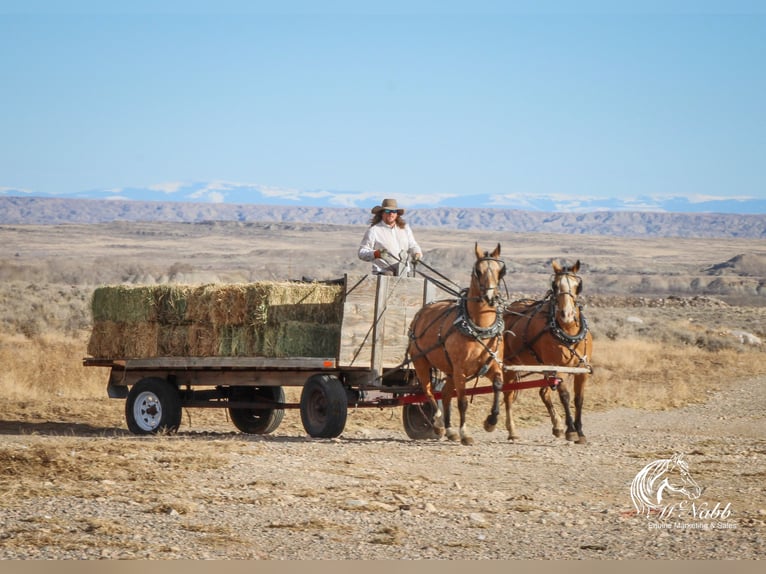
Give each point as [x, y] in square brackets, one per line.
[487, 273]
[566, 286]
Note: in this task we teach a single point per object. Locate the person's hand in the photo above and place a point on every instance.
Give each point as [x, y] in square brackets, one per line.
[379, 253]
[417, 257]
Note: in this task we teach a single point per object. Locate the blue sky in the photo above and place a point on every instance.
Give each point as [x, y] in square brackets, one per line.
[480, 103]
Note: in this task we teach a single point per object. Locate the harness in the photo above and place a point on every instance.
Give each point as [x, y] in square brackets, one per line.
[465, 324]
[552, 326]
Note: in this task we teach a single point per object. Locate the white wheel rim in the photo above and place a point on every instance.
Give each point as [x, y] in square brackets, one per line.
[147, 411]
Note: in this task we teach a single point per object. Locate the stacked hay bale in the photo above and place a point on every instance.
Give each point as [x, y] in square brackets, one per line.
[267, 319]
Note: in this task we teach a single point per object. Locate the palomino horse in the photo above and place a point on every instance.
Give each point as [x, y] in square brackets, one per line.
[550, 332]
[462, 339]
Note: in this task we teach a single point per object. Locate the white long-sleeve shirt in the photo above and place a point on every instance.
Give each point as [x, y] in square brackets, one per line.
[393, 239]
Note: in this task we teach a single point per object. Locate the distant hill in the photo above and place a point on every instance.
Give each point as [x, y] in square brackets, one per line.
[51, 211]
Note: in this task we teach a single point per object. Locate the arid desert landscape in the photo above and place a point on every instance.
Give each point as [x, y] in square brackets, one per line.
[678, 327]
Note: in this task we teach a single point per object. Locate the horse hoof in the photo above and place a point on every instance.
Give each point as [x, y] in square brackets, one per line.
[453, 435]
[572, 436]
[513, 437]
[558, 433]
[488, 427]
[439, 432]
[438, 423]
[581, 440]
[467, 441]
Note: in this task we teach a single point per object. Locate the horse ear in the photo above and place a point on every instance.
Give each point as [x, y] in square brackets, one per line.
[576, 267]
[496, 253]
[478, 253]
[556, 267]
[579, 287]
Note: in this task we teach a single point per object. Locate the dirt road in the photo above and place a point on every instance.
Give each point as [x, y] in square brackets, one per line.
[90, 490]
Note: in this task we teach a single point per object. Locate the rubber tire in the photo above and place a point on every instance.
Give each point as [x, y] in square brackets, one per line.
[417, 421]
[259, 421]
[153, 405]
[324, 406]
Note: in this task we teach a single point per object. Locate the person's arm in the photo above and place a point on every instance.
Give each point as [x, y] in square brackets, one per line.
[367, 247]
[413, 248]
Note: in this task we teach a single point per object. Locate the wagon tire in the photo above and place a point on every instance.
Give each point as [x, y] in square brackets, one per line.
[153, 405]
[417, 421]
[324, 406]
[259, 421]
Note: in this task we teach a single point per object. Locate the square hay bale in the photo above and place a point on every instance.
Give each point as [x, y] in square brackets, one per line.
[236, 341]
[173, 341]
[298, 339]
[203, 341]
[123, 304]
[172, 302]
[229, 304]
[110, 339]
[275, 303]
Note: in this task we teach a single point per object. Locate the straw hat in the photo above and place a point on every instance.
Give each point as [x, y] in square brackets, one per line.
[387, 204]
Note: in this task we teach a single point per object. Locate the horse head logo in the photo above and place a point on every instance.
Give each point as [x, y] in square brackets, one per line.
[660, 483]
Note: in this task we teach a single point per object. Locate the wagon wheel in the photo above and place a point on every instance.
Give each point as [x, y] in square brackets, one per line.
[153, 406]
[324, 406]
[262, 420]
[417, 419]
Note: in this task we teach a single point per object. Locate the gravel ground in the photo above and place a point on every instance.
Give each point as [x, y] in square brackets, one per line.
[375, 494]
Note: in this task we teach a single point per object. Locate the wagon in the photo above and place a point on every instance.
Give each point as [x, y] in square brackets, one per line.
[370, 370]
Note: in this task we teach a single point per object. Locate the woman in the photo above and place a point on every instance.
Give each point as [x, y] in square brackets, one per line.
[389, 241]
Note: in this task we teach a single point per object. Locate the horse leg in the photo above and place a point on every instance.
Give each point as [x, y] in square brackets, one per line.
[508, 398]
[447, 393]
[462, 405]
[579, 389]
[571, 434]
[545, 395]
[423, 372]
[497, 386]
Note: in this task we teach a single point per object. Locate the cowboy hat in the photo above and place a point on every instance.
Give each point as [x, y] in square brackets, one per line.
[387, 204]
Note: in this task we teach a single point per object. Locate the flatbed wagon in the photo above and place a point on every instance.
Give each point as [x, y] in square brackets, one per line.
[370, 370]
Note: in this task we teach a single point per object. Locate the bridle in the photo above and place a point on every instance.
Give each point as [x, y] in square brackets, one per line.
[553, 323]
[484, 289]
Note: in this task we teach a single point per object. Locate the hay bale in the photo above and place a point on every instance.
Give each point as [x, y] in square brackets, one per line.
[229, 304]
[203, 341]
[298, 339]
[173, 341]
[236, 341]
[140, 340]
[271, 319]
[172, 302]
[110, 339]
[123, 304]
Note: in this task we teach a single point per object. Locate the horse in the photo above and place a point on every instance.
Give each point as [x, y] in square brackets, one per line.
[665, 476]
[462, 339]
[552, 331]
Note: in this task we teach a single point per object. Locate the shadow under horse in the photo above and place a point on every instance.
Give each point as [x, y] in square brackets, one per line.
[554, 332]
[463, 340]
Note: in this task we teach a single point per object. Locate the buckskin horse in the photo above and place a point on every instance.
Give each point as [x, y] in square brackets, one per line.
[463, 340]
[552, 331]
